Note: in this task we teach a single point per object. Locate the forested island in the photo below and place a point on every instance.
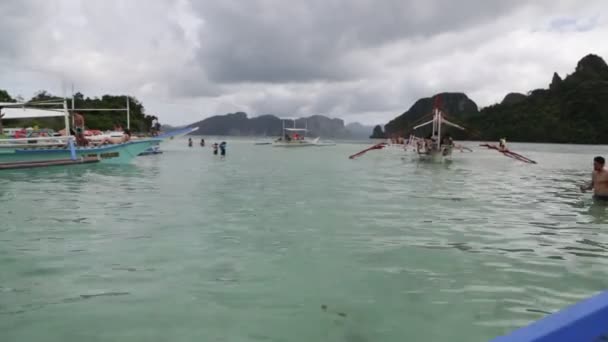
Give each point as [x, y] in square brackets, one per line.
[573, 109]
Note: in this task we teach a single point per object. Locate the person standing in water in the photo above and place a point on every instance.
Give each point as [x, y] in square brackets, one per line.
[599, 180]
[215, 148]
[502, 145]
[223, 148]
[202, 142]
[189, 142]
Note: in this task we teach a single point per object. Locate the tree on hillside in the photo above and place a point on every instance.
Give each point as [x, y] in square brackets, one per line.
[4, 97]
[571, 110]
[378, 133]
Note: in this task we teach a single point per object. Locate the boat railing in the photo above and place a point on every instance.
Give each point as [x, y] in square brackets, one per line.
[34, 141]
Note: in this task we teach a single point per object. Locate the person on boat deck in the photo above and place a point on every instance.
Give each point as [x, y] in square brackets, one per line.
[502, 144]
[599, 180]
[127, 135]
[432, 143]
[79, 126]
[447, 140]
[154, 129]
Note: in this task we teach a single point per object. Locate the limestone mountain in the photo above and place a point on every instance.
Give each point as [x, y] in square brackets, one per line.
[239, 124]
[572, 110]
[457, 105]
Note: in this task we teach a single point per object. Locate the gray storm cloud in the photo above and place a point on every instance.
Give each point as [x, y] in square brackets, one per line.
[359, 60]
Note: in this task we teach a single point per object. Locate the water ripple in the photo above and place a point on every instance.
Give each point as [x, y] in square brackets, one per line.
[265, 238]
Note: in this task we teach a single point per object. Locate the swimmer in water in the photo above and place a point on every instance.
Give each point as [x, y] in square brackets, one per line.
[599, 180]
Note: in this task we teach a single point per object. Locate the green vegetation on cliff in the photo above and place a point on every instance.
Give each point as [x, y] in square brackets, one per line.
[378, 133]
[571, 110]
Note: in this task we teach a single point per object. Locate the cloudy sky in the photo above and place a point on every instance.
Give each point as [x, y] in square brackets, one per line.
[360, 60]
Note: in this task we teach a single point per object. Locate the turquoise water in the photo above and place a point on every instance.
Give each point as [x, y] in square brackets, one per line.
[297, 245]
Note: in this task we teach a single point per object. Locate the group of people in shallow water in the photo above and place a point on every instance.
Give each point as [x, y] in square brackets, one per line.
[221, 146]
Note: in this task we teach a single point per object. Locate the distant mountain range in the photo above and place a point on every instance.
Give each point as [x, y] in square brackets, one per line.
[239, 124]
[571, 110]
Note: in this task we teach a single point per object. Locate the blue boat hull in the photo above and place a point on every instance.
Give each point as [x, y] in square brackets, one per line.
[586, 321]
[109, 154]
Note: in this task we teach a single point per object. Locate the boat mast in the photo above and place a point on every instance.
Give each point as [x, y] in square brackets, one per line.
[128, 114]
[282, 130]
[438, 129]
[73, 100]
[66, 117]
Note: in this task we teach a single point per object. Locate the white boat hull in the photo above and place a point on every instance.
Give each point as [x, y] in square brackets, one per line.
[293, 144]
[436, 156]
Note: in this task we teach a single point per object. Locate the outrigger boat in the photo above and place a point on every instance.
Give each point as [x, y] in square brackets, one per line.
[436, 148]
[294, 137]
[57, 147]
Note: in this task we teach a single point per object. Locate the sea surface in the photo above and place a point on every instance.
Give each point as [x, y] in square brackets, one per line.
[274, 244]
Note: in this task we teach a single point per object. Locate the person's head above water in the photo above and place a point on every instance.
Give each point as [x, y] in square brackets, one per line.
[598, 163]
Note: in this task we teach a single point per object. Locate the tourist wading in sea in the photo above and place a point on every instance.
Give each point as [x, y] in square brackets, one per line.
[223, 148]
[599, 180]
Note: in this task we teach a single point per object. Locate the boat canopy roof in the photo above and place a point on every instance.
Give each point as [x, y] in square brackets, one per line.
[29, 113]
[296, 129]
[12, 104]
